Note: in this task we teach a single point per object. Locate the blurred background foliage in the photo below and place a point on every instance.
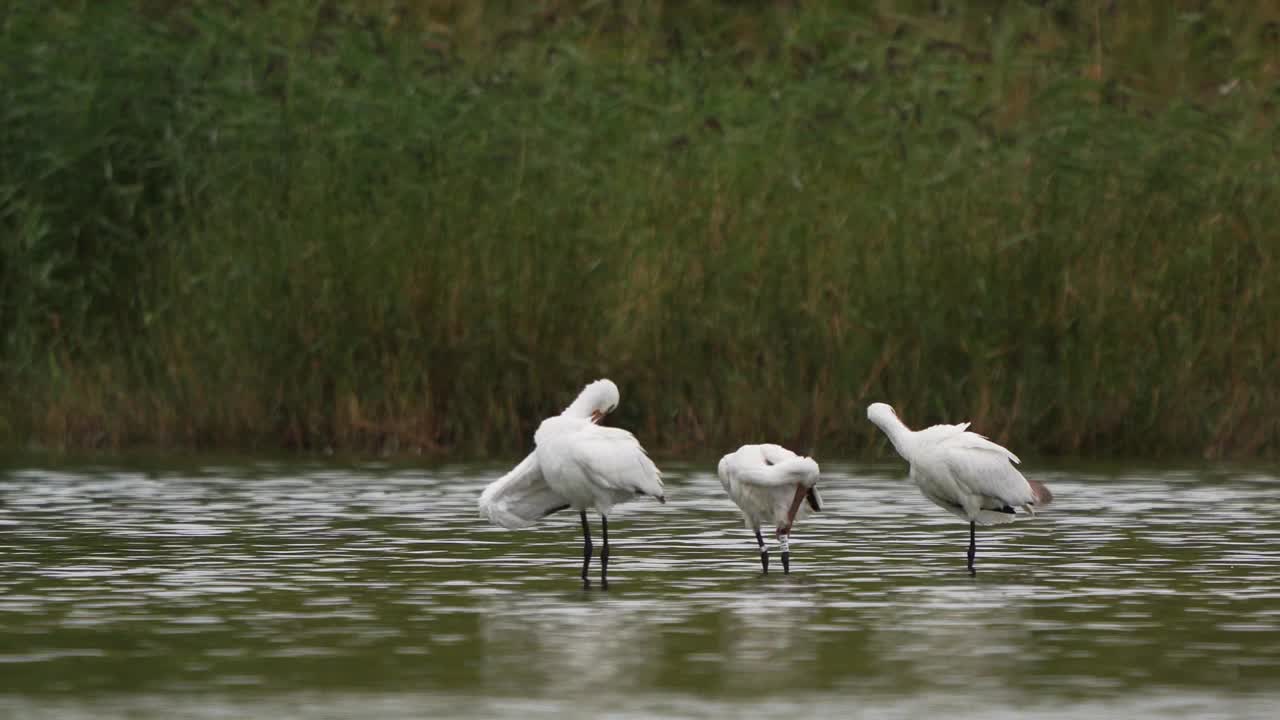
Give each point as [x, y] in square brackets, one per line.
[404, 227]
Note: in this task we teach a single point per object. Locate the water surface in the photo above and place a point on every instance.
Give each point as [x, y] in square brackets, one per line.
[313, 592]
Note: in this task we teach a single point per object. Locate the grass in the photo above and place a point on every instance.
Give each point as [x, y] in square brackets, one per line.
[405, 227]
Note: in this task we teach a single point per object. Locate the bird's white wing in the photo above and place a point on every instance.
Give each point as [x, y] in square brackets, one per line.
[613, 458]
[521, 497]
[935, 435]
[974, 441]
[985, 468]
[797, 470]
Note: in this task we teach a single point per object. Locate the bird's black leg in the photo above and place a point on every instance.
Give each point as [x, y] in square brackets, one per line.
[604, 553]
[764, 552]
[973, 545]
[586, 549]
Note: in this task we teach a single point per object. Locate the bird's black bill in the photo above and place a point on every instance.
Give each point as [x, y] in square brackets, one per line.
[815, 503]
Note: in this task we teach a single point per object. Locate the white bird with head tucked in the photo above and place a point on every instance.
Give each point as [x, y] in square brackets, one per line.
[962, 472]
[576, 464]
[769, 483]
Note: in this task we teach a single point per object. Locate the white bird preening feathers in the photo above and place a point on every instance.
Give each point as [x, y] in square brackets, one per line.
[576, 464]
[962, 472]
[769, 483]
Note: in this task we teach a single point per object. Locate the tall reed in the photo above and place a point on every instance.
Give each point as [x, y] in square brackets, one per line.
[337, 225]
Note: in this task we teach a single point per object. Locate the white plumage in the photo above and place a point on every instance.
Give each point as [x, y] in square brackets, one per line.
[594, 467]
[521, 497]
[962, 472]
[768, 483]
[576, 464]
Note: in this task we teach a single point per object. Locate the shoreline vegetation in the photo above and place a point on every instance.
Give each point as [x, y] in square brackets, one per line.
[424, 226]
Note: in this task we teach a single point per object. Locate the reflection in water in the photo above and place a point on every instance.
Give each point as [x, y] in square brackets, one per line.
[767, 636]
[637, 705]
[969, 637]
[324, 592]
[568, 646]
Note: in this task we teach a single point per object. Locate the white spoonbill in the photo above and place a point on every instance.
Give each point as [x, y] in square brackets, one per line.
[962, 472]
[768, 482]
[576, 464]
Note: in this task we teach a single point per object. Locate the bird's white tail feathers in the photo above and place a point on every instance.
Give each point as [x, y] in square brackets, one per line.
[994, 517]
[1041, 496]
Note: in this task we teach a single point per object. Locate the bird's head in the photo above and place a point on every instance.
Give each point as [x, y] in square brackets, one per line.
[595, 401]
[880, 413]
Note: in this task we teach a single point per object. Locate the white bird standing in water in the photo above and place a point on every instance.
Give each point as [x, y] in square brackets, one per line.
[962, 472]
[577, 465]
[768, 483]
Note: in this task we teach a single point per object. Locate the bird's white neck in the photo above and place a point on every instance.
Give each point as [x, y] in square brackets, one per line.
[899, 434]
[581, 407]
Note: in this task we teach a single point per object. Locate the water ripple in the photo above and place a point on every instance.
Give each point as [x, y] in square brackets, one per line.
[382, 579]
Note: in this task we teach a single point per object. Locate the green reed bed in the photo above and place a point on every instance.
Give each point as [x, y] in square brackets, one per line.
[338, 225]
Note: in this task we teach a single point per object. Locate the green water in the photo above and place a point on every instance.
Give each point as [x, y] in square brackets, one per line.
[314, 592]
